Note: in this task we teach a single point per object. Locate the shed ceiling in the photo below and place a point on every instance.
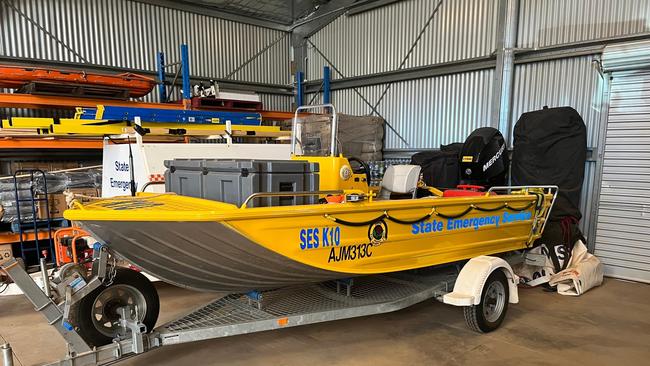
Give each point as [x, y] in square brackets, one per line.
[279, 11]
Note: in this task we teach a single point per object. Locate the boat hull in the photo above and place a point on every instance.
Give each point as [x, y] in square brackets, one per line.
[316, 240]
[213, 246]
[203, 256]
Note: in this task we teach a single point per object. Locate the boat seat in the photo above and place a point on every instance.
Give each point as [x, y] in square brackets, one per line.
[400, 179]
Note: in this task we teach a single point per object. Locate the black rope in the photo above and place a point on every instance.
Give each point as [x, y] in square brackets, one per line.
[409, 222]
[439, 214]
[468, 210]
[522, 208]
[539, 199]
[350, 223]
[482, 209]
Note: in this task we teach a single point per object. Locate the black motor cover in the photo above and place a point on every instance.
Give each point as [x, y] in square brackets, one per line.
[484, 158]
[550, 148]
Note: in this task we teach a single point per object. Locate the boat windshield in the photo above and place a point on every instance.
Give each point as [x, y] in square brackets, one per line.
[315, 134]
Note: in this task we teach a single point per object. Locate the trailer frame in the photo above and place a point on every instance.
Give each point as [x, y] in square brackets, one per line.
[237, 314]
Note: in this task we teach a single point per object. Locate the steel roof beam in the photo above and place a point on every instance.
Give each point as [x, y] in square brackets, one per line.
[407, 74]
[575, 49]
[321, 17]
[370, 6]
[301, 31]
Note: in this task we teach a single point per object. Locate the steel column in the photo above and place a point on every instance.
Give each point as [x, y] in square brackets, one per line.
[301, 31]
[162, 89]
[299, 54]
[600, 154]
[505, 67]
[185, 70]
[326, 85]
[300, 89]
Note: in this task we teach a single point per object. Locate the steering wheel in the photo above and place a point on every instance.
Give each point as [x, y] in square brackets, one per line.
[361, 169]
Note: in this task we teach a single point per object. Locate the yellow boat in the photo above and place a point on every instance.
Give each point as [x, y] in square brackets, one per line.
[215, 246]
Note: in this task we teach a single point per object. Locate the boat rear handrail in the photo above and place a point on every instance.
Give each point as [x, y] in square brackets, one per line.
[552, 189]
[510, 188]
[287, 194]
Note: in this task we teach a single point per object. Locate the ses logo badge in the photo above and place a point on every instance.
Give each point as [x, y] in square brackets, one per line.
[378, 232]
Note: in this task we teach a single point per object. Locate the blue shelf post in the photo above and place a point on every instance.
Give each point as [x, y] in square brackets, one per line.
[326, 85]
[185, 66]
[299, 89]
[162, 89]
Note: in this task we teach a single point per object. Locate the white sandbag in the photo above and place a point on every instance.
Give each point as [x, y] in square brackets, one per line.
[538, 267]
[584, 272]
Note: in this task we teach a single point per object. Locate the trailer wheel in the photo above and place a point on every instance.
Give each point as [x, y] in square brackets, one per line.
[95, 316]
[489, 313]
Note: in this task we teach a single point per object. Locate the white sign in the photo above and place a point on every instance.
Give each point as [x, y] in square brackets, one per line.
[116, 170]
[149, 161]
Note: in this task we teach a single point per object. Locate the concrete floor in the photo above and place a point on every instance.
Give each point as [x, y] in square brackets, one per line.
[609, 325]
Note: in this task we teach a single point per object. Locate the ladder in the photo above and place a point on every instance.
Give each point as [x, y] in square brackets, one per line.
[32, 251]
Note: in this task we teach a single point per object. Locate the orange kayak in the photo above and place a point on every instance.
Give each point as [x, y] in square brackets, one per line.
[14, 77]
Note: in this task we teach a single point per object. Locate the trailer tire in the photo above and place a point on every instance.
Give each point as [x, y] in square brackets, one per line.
[490, 312]
[95, 314]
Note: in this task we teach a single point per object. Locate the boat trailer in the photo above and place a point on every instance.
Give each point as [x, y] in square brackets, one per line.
[258, 311]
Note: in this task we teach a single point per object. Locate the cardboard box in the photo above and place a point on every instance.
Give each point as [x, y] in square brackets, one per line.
[91, 192]
[46, 166]
[57, 202]
[62, 165]
[27, 165]
[57, 205]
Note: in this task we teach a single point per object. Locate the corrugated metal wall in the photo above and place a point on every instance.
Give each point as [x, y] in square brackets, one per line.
[378, 40]
[426, 112]
[551, 22]
[128, 34]
[277, 102]
[624, 206]
[445, 109]
[571, 82]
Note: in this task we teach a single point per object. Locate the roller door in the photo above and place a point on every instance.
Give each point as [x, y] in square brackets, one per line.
[623, 221]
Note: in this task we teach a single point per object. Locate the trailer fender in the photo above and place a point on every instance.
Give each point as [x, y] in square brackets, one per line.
[470, 281]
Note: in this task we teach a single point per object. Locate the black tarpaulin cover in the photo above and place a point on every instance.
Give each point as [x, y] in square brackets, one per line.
[550, 147]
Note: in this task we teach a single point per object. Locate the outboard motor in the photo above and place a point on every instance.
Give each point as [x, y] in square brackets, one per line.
[484, 158]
